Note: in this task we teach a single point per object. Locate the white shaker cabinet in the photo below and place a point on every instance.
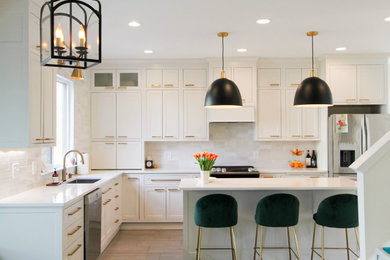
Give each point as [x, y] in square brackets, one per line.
[154, 203]
[104, 80]
[129, 155]
[154, 110]
[245, 80]
[171, 78]
[174, 204]
[371, 85]
[171, 114]
[342, 82]
[157, 78]
[195, 78]
[293, 116]
[269, 77]
[269, 114]
[195, 115]
[103, 155]
[103, 115]
[154, 78]
[131, 197]
[49, 98]
[129, 115]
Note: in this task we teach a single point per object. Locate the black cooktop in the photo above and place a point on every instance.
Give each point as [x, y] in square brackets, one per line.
[234, 172]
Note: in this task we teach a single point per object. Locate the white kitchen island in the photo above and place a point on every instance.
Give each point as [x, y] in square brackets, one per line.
[247, 192]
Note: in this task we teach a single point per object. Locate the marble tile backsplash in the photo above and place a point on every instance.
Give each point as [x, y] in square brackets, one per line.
[20, 171]
[235, 145]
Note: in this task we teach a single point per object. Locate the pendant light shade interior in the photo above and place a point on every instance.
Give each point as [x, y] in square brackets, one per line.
[77, 74]
[313, 91]
[223, 92]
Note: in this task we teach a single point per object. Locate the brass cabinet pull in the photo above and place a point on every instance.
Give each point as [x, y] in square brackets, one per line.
[350, 99]
[169, 136]
[165, 180]
[74, 231]
[123, 143]
[116, 196]
[122, 136]
[173, 189]
[189, 85]
[39, 139]
[110, 143]
[109, 87]
[38, 46]
[156, 85]
[49, 139]
[74, 212]
[295, 84]
[159, 189]
[132, 178]
[274, 136]
[308, 135]
[121, 87]
[296, 136]
[74, 251]
[108, 201]
[116, 209]
[116, 221]
[156, 136]
[269, 177]
[104, 192]
[110, 136]
[190, 136]
[168, 85]
[364, 99]
[274, 84]
[116, 184]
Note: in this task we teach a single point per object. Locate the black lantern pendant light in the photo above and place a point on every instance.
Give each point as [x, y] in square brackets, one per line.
[223, 93]
[313, 91]
[70, 34]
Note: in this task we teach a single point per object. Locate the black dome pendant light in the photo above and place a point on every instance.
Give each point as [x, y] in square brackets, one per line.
[313, 91]
[223, 93]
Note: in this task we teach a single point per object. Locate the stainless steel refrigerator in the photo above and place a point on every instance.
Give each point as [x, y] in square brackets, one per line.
[350, 135]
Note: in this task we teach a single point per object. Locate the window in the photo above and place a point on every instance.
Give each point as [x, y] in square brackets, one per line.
[65, 119]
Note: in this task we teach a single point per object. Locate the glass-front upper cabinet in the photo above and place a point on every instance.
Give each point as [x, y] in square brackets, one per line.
[111, 80]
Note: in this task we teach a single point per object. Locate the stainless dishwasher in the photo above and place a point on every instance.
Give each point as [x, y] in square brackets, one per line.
[92, 224]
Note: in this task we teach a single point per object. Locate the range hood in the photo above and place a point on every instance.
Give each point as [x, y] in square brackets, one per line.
[242, 114]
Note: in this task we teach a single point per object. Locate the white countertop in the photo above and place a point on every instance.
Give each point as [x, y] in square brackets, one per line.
[338, 183]
[292, 170]
[153, 171]
[57, 196]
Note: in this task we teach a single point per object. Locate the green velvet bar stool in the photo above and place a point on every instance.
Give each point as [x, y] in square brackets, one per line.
[216, 211]
[338, 211]
[277, 210]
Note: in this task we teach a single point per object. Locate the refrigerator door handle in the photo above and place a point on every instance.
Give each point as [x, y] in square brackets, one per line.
[367, 132]
[362, 136]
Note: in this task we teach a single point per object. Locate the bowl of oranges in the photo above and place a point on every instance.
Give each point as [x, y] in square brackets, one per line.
[296, 162]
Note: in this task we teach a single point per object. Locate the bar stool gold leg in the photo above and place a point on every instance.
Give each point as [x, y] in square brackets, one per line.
[346, 238]
[289, 243]
[357, 237]
[296, 243]
[314, 238]
[254, 253]
[199, 243]
[233, 241]
[323, 242]
[261, 241]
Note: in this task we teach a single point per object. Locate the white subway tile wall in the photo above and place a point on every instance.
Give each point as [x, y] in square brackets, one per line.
[235, 145]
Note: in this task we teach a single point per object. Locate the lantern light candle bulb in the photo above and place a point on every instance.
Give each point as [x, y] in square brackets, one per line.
[82, 37]
[59, 36]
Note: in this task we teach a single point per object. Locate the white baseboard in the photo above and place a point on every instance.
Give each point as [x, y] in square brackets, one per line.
[151, 226]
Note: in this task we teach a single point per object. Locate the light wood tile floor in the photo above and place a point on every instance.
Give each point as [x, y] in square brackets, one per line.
[145, 245]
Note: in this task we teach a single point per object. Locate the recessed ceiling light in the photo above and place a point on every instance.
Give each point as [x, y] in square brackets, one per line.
[134, 24]
[263, 21]
[148, 51]
[242, 50]
[341, 48]
[387, 19]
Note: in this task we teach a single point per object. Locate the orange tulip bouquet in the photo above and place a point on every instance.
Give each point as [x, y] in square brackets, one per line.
[206, 161]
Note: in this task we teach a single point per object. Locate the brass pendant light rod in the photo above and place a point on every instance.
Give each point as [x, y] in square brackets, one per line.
[223, 35]
[312, 34]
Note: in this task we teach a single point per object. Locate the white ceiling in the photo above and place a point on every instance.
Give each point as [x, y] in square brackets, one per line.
[187, 28]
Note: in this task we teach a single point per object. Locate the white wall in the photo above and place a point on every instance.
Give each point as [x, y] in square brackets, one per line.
[233, 142]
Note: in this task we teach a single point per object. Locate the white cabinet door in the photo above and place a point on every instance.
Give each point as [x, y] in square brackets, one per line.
[217, 73]
[243, 77]
[269, 121]
[103, 80]
[128, 79]
[174, 204]
[195, 78]
[171, 78]
[371, 84]
[293, 116]
[269, 78]
[154, 114]
[155, 203]
[342, 81]
[310, 123]
[49, 105]
[103, 115]
[293, 77]
[103, 155]
[131, 197]
[171, 114]
[154, 78]
[35, 100]
[129, 155]
[195, 115]
[128, 115]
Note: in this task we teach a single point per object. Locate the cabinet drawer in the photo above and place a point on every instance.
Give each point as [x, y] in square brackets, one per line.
[74, 212]
[75, 251]
[164, 179]
[74, 231]
[107, 191]
[117, 185]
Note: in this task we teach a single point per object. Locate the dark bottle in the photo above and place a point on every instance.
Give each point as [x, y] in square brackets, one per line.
[314, 160]
[308, 159]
